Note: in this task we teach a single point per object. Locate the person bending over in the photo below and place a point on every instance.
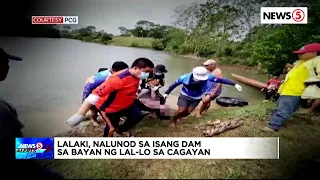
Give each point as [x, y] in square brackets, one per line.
[115, 98]
[214, 89]
[194, 87]
[271, 87]
[96, 80]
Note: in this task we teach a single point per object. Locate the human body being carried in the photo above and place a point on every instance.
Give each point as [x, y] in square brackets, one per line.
[195, 85]
[115, 98]
[214, 89]
[149, 89]
[96, 80]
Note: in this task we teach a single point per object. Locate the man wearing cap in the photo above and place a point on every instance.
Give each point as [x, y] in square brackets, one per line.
[195, 84]
[153, 83]
[214, 89]
[294, 85]
[10, 128]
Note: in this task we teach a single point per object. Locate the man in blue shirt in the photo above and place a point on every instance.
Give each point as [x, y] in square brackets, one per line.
[96, 80]
[195, 85]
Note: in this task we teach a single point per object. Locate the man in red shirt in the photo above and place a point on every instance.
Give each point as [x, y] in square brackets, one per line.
[115, 98]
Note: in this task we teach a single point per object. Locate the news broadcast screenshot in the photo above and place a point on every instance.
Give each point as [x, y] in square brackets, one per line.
[168, 89]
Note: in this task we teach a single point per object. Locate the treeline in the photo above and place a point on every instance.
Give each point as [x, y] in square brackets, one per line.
[88, 34]
[231, 31]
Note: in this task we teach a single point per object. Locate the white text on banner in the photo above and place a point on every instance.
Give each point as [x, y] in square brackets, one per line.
[166, 148]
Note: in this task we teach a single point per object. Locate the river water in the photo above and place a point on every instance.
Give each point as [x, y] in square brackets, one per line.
[46, 88]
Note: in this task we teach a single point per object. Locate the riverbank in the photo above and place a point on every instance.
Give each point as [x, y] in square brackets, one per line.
[137, 42]
[297, 141]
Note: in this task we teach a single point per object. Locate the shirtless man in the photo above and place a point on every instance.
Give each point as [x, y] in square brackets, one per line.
[214, 89]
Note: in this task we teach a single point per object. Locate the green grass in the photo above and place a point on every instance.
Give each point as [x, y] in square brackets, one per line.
[132, 42]
[297, 140]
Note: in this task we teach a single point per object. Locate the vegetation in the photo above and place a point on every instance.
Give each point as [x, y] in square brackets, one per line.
[296, 145]
[230, 30]
[87, 34]
[132, 42]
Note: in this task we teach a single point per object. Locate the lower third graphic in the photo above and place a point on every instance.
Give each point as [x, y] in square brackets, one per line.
[34, 148]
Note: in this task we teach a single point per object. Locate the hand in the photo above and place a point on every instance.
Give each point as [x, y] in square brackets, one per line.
[75, 119]
[207, 98]
[165, 96]
[238, 87]
[154, 88]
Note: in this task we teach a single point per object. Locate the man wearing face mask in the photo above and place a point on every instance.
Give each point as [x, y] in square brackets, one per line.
[115, 98]
[195, 85]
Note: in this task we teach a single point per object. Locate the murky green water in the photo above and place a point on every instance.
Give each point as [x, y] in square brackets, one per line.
[46, 87]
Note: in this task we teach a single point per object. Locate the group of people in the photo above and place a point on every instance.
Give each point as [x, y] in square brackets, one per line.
[114, 93]
[302, 81]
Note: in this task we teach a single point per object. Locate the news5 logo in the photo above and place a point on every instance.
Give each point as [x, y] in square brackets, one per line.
[34, 148]
[284, 15]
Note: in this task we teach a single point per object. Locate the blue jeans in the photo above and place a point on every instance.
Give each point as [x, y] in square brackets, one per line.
[287, 105]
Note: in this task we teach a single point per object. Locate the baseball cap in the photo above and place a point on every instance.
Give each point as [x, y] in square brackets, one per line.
[161, 68]
[8, 56]
[119, 65]
[209, 62]
[200, 73]
[313, 47]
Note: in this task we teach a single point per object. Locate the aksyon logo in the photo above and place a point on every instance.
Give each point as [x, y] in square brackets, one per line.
[284, 15]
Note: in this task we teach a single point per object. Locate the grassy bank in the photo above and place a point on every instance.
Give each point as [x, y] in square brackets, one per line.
[132, 42]
[296, 142]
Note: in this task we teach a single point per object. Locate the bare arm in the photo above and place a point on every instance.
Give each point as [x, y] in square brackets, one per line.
[219, 74]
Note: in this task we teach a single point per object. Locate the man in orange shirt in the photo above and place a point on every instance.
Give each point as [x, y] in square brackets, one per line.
[115, 98]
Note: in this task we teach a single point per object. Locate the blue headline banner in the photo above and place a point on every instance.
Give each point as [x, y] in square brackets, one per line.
[34, 148]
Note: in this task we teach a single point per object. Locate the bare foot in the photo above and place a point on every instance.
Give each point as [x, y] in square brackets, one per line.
[95, 123]
[198, 115]
[153, 116]
[306, 111]
[172, 124]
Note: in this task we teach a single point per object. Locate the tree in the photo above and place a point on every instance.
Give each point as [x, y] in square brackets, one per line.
[186, 16]
[66, 28]
[91, 29]
[123, 30]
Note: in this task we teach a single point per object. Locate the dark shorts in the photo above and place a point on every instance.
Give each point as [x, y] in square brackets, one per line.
[187, 102]
[133, 114]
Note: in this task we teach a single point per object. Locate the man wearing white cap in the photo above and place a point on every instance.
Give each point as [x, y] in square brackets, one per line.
[214, 89]
[195, 85]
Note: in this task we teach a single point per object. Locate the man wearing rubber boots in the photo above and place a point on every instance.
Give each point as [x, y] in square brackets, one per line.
[115, 98]
[195, 84]
[214, 89]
